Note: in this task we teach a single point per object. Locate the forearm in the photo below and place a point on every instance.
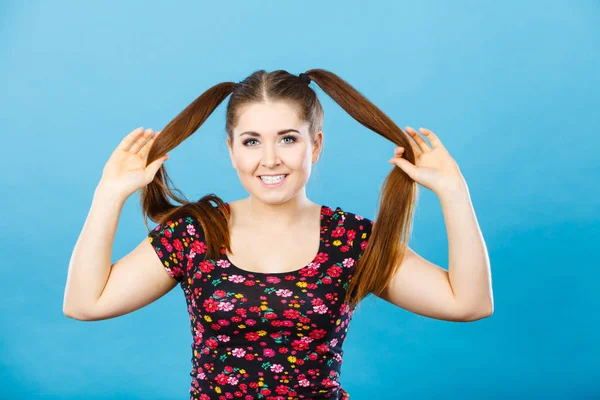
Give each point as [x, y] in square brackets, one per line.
[90, 262]
[469, 264]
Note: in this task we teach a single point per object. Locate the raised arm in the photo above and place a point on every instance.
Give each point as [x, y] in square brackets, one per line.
[95, 289]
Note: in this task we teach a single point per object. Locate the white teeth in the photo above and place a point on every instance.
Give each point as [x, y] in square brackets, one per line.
[272, 179]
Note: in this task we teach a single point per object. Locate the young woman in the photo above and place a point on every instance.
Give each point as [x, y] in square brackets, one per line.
[272, 281]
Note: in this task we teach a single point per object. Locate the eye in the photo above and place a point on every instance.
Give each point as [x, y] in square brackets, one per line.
[292, 137]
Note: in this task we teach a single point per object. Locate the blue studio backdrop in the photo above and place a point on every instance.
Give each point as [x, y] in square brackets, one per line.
[511, 88]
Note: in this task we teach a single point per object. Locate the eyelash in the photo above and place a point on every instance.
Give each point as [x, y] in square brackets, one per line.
[294, 139]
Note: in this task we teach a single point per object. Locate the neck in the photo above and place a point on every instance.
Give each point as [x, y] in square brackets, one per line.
[292, 212]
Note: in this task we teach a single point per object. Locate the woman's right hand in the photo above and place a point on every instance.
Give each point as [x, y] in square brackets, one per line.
[125, 171]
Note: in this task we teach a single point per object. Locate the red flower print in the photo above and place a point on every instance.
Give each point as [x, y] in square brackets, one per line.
[211, 305]
[334, 271]
[338, 231]
[321, 258]
[252, 336]
[206, 267]
[317, 334]
[351, 234]
[199, 247]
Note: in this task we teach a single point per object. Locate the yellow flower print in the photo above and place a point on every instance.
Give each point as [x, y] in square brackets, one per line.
[292, 359]
[337, 242]
[207, 318]
[301, 284]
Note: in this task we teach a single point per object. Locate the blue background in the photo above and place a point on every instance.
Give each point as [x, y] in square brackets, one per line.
[511, 88]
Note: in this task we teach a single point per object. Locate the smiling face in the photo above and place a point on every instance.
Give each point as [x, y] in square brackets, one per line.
[270, 139]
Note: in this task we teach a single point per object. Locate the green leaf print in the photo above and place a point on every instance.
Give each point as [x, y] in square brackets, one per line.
[266, 365]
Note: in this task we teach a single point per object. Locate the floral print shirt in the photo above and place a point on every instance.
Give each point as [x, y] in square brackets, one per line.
[271, 336]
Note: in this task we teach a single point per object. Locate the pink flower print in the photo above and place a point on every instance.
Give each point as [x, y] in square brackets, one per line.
[236, 278]
[237, 352]
[277, 368]
[284, 293]
[348, 262]
[191, 230]
[304, 382]
[327, 382]
[322, 309]
[223, 338]
[223, 264]
[225, 306]
[268, 352]
[232, 381]
[273, 279]
[219, 293]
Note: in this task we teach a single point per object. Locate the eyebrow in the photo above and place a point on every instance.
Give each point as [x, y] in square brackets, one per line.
[256, 134]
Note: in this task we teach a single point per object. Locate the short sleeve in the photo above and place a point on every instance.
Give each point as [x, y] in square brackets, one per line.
[171, 241]
[363, 227]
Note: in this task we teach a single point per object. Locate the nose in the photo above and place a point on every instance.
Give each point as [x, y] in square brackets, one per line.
[270, 157]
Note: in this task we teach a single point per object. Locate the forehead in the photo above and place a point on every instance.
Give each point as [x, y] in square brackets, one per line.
[267, 118]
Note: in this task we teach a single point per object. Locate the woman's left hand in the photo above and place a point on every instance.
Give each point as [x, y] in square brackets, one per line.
[434, 168]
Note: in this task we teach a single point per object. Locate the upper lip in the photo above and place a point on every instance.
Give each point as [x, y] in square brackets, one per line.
[271, 174]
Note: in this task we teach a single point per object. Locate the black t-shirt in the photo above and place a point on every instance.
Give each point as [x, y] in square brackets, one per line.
[260, 335]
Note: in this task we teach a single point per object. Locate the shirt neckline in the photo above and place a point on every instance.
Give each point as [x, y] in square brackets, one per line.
[323, 224]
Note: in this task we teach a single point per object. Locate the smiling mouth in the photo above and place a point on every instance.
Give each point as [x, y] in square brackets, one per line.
[273, 182]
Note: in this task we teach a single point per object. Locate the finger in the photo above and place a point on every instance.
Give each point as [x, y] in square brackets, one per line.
[415, 148]
[405, 166]
[147, 145]
[419, 139]
[435, 141]
[130, 138]
[143, 138]
[398, 151]
[155, 165]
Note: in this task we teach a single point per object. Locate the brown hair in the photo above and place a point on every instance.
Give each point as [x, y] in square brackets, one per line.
[392, 225]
